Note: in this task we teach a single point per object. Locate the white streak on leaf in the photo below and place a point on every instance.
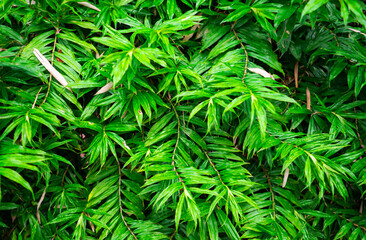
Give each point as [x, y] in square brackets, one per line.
[124, 143]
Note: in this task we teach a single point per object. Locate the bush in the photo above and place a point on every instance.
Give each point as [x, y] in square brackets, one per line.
[187, 119]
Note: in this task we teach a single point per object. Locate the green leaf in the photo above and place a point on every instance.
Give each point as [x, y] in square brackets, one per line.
[237, 101]
[74, 38]
[120, 141]
[356, 8]
[120, 69]
[237, 14]
[351, 76]
[359, 81]
[15, 177]
[113, 43]
[344, 12]
[213, 229]
[198, 108]
[344, 230]
[312, 5]
[337, 68]
[39, 42]
[284, 13]
[315, 213]
[158, 126]
[172, 8]
[10, 127]
[10, 33]
[179, 209]
[212, 34]
[87, 25]
[228, 42]
[227, 225]
[6, 206]
[355, 234]
[46, 123]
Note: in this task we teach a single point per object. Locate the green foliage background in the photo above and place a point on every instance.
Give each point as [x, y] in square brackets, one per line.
[226, 119]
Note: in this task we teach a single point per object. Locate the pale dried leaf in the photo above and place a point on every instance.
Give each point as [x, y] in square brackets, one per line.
[285, 177]
[89, 5]
[361, 208]
[39, 204]
[105, 88]
[308, 99]
[261, 72]
[357, 31]
[189, 36]
[34, 103]
[98, 56]
[50, 68]
[296, 74]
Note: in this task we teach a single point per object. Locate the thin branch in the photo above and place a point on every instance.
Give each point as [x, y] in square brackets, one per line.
[176, 146]
[271, 190]
[296, 74]
[11, 231]
[217, 171]
[64, 175]
[246, 55]
[177, 46]
[171, 237]
[39, 204]
[120, 201]
[35, 100]
[334, 35]
[341, 216]
[52, 59]
[90, 223]
[357, 131]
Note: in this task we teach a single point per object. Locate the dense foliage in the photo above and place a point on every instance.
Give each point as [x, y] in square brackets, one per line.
[192, 119]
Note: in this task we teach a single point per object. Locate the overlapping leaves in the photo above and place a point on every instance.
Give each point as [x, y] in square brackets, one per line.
[182, 120]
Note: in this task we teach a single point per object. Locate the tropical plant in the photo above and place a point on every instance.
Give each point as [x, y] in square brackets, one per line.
[189, 119]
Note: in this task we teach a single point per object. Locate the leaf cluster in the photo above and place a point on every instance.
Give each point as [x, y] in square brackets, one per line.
[192, 119]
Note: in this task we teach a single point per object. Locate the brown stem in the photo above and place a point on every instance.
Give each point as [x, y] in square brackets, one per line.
[214, 167]
[176, 146]
[357, 132]
[35, 100]
[308, 99]
[348, 220]
[120, 202]
[296, 74]
[246, 56]
[271, 190]
[39, 204]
